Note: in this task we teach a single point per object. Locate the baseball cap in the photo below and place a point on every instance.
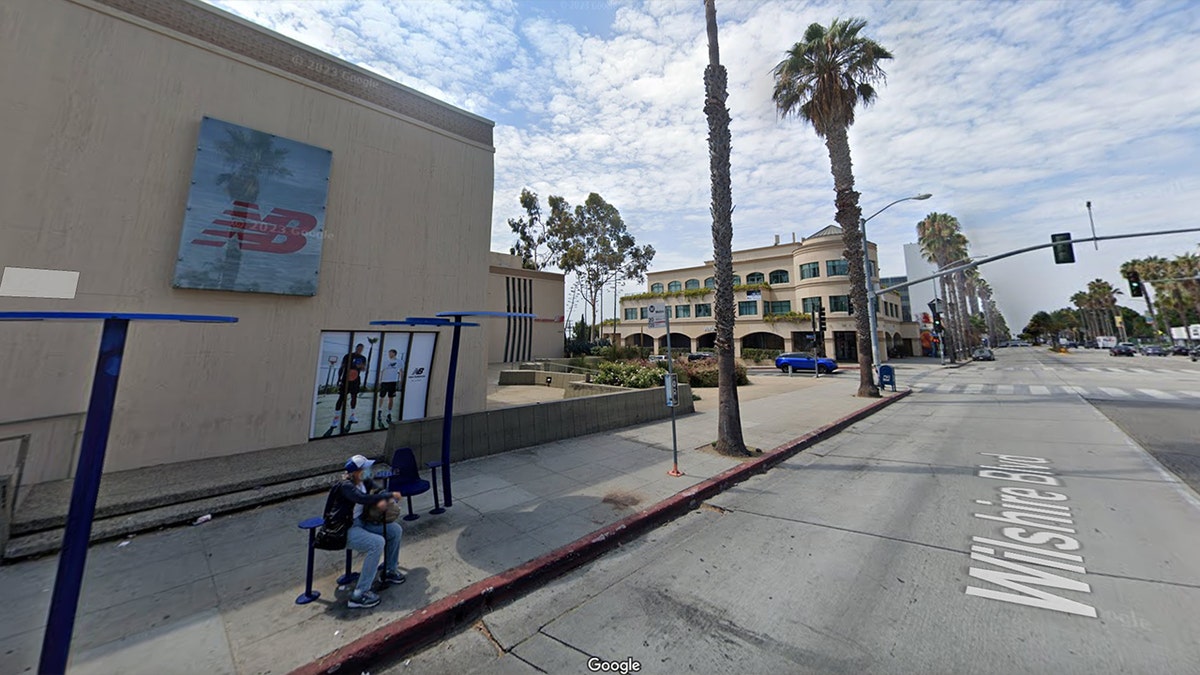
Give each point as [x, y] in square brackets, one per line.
[358, 462]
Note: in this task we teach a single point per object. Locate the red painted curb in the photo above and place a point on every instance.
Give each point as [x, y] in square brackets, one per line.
[459, 609]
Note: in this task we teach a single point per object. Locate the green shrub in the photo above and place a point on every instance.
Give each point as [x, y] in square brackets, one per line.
[632, 374]
[706, 374]
[616, 353]
[751, 354]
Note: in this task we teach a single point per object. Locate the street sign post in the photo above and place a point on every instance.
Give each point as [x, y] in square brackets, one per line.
[671, 386]
[658, 317]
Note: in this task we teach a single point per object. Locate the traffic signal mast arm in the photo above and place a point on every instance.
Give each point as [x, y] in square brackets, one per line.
[873, 293]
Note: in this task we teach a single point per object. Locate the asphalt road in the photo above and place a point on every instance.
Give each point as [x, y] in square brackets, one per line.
[887, 549]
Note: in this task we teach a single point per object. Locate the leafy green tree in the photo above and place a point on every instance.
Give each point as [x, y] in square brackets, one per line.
[824, 78]
[594, 243]
[729, 417]
[533, 234]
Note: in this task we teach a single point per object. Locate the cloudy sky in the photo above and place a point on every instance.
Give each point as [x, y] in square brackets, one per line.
[1012, 114]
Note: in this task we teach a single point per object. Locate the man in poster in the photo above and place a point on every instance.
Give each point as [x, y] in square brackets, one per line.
[349, 382]
[388, 382]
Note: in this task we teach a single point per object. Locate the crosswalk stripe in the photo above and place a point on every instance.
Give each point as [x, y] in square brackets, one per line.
[1038, 390]
[973, 388]
[1195, 394]
[1159, 394]
[1075, 390]
[1115, 370]
[1114, 392]
[1004, 389]
[1092, 370]
[945, 388]
[1163, 370]
[1139, 370]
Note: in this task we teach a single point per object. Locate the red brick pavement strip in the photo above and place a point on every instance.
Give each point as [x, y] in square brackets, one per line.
[460, 609]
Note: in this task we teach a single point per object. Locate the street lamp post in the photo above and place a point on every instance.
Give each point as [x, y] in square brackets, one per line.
[871, 314]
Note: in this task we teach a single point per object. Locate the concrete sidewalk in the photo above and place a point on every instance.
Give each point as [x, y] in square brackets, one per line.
[219, 598]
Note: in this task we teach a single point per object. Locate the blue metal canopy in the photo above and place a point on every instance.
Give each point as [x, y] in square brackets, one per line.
[461, 313]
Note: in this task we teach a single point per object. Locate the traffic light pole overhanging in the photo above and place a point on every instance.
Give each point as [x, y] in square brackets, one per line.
[873, 293]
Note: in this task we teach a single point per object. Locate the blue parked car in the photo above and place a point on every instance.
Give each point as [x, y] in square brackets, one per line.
[804, 362]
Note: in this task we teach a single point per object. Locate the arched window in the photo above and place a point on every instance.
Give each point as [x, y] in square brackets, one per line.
[656, 288]
[779, 277]
[755, 278]
[737, 281]
[674, 287]
[710, 283]
[691, 283]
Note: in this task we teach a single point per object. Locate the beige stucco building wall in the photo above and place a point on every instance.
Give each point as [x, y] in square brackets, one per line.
[101, 113]
[514, 289]
[787, 257]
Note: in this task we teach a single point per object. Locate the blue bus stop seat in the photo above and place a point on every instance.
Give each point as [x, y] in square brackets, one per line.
[311, 524]
[407, 481]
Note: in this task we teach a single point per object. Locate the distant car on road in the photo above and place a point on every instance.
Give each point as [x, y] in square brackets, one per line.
[1180, 350]
[658, 357]
[700, 356]
[1153, 350]
[1123, 349]
[983, 354]
[804, 361]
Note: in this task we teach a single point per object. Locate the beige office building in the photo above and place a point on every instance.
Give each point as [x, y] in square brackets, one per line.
[777, 288]
[104, 103]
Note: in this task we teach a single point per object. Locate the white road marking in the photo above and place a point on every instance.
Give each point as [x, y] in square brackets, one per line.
[1114, 392]
[974, 389]
[1075, 390]
[945, 388]
[1093, 370]
[1038, 390]
[1162, 395]
[1195, 394]
[1115, 370]
[1140, 370]
[1163, 370]
[1004, 389]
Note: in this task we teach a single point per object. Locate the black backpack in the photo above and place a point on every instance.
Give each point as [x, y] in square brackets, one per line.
[332, 535]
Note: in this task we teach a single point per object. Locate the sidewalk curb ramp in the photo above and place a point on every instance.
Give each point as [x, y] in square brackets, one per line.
[460, 609]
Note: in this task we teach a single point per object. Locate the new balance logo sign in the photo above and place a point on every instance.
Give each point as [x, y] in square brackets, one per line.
[418, 371]
[281, 231]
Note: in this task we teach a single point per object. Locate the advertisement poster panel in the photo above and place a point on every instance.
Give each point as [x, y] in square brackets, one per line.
[393, 361]
[416, 384]
[255, 216]
[365, 382]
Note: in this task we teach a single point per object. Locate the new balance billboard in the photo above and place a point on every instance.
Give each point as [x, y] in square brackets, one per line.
[255, 215]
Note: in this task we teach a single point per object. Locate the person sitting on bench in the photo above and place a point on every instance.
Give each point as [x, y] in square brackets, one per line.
[356, 492]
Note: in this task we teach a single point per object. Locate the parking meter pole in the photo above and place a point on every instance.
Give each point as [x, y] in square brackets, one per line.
[674, 439]
[64, 602]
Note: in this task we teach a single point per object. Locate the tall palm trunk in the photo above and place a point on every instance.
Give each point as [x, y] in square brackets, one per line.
[729, 416]
[964, 310]
[848, 216]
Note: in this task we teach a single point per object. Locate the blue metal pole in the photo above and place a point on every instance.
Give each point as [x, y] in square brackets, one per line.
[56, 644]
[448, 415]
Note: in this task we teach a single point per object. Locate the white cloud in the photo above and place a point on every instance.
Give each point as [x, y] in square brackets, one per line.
[1013, 115]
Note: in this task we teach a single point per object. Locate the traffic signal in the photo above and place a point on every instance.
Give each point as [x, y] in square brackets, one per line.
[821, 325]
[1063, 253]
[937, 323]
[1135, 284]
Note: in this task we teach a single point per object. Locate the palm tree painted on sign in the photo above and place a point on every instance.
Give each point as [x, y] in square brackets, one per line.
[250, 158]
[729, 417]
[826, 76]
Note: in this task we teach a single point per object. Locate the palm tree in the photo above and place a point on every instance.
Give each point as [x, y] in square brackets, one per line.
[822, 80]
[250, 157]
[942, 243]
[729, 416]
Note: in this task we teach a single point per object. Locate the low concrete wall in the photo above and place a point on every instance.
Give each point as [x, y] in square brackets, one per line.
[494, 431]
[538, 377]
[577, 389]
